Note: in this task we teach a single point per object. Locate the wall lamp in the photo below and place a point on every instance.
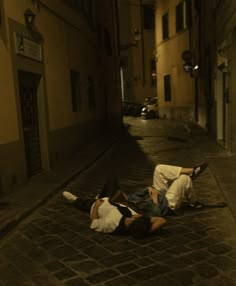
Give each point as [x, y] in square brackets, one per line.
[29, 19]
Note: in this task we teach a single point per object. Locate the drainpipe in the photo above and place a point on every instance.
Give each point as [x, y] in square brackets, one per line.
[142, 43]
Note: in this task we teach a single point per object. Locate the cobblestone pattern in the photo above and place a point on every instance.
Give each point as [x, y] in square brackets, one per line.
[55, 246]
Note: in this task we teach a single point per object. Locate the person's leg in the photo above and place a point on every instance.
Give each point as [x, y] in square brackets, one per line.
[164, 175]
[110, 188]
[180, 190]
[82, 204]
[197, 170]
[118, 197]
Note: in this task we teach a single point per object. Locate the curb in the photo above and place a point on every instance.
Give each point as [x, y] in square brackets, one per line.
[14, 211]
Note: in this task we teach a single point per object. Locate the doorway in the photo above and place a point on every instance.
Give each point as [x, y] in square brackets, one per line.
[222, 102]
[28, 87]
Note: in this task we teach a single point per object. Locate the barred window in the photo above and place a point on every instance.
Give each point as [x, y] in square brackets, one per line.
[165, 26]
[107, 42]
[148, 17]
[91, 94]
[75, 90]
[167, 87]
[183, 15]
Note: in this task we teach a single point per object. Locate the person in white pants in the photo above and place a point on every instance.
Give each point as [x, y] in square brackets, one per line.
[172, 185]
[177, 183]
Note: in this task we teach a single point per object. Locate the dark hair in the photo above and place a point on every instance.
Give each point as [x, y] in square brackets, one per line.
[140, 227]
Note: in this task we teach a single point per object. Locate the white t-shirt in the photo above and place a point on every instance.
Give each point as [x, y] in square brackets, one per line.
[109, 217]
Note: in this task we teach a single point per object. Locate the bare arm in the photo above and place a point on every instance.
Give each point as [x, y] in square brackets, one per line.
[186, 171]
[97, 204]
[157, 222]
[153, 193]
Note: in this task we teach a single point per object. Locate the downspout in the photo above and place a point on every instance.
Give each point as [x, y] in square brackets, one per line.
[142, 43]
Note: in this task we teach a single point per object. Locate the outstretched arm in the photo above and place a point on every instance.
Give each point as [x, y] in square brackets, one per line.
[157, 222]
[94, 214]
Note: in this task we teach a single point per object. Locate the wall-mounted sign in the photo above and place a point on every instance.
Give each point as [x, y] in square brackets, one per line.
[28, 48]
[186, 56]
[187, 67]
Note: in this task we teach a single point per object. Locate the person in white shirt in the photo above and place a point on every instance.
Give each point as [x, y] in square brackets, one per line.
[115, 218]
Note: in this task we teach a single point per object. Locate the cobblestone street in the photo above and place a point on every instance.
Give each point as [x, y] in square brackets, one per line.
[54, 246]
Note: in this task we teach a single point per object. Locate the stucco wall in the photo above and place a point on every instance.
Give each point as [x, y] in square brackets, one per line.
[8, 119]
[169, 62]
[69, 42]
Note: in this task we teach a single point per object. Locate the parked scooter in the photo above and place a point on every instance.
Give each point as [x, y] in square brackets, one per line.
[150, 110]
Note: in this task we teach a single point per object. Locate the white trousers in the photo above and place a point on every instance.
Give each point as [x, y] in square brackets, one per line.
[178, 187]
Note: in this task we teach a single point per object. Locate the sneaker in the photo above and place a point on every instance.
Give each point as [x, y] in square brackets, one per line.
[69, 197]
[196, 206]
[197, 170]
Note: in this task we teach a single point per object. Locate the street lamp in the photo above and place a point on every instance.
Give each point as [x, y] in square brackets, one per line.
[137, 35]
[29, 19]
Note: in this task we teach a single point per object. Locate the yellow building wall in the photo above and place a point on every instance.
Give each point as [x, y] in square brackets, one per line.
[137, 75]
[169, 62]
[8, 115]
[69, 42]
[8, 119]
[57, 69]
[65, 47]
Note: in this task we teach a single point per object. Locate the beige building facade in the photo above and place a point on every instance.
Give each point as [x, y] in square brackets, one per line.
[138, 69]
[59, 82]
[224, 72]
[213, 44]
[206, 95]
[175, 87]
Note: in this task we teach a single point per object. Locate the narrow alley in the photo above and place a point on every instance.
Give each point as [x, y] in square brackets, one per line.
[54, 246]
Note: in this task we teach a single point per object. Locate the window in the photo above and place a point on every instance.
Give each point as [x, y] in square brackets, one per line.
[198, 6]
[179, 17]
[99, 36]
[183, 15]
[153, 74]
[89, 9]
[107, 42]
[188, 12]
[76, 4]
[86, 7]
[167, 88]
[91, 95]
[165, 26]
[148, 17]
[75, 91]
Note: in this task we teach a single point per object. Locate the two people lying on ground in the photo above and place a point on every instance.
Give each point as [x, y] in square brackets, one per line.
[140, 213]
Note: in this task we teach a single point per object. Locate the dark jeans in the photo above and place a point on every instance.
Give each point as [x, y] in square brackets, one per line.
[109, 189]
[84, 204]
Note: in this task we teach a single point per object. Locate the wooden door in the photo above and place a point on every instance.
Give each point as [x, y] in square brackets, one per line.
[28, 85]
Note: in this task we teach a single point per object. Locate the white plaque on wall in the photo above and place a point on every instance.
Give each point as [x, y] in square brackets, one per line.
[28, 48]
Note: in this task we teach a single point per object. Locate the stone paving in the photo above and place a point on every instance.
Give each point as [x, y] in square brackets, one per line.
[54, 246]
